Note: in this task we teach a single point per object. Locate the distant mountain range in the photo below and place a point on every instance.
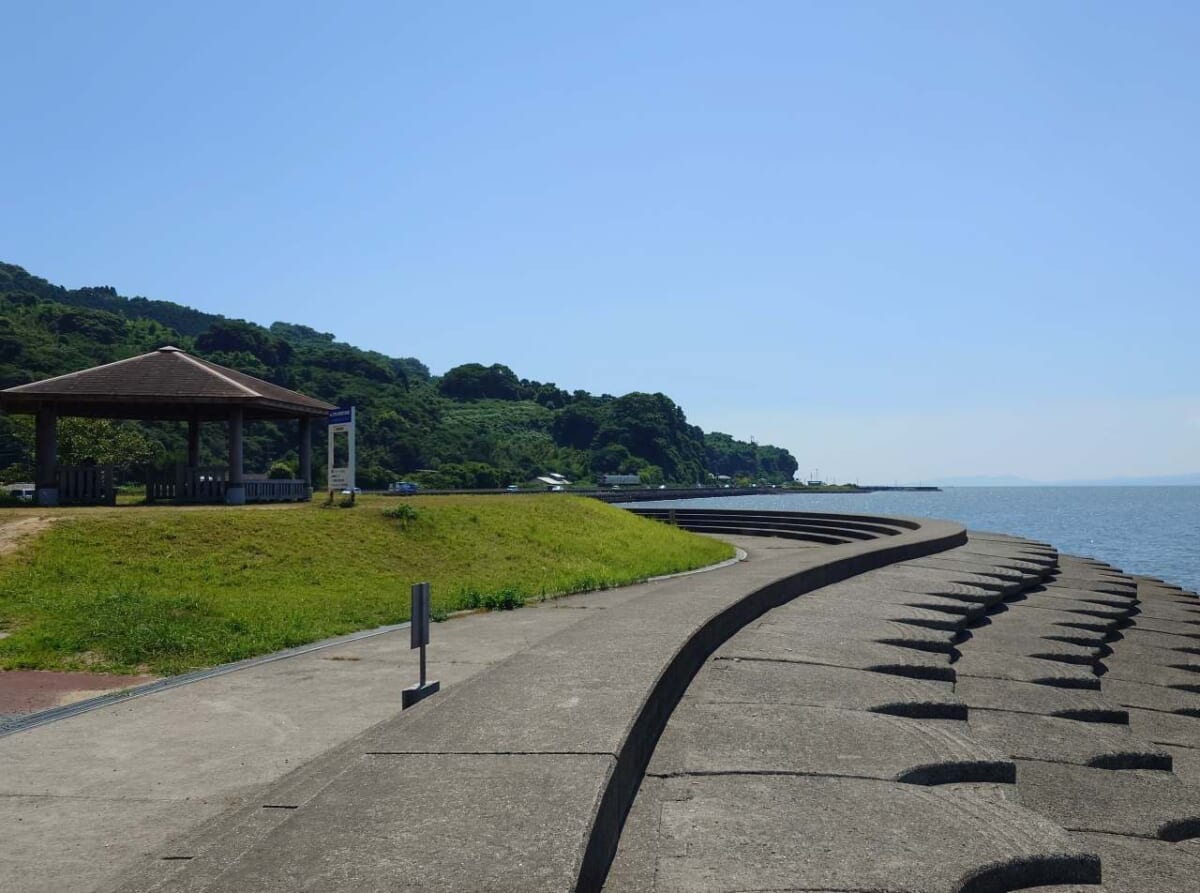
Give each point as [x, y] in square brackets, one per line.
[1008, 480]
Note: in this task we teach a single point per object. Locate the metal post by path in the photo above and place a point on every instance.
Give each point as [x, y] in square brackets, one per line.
[419, 638]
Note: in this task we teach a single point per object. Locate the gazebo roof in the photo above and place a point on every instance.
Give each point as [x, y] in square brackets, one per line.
[167, 383]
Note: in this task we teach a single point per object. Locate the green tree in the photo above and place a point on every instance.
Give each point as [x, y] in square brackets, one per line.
[233, 336]
[577, 425]
[651, 475]
[105, 442]
[473, 381]
[653, 428]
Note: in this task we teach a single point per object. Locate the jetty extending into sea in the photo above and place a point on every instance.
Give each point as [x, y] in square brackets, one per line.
[862, 704]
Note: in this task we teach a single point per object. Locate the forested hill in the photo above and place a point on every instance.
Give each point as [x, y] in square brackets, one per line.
[474, 426]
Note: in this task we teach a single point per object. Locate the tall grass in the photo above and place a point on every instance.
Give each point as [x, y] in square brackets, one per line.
[167, 590]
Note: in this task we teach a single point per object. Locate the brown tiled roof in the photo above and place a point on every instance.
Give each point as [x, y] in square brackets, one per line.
[164, 376]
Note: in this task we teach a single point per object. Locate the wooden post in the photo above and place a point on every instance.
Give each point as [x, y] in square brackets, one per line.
[306, 455]
[193, 443]
[235, 491]
[46, 437]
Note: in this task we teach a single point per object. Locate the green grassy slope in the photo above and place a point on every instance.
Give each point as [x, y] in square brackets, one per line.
[167, 590]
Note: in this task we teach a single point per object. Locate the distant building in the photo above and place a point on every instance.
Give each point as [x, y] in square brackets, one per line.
[619, 480]
[554, 481]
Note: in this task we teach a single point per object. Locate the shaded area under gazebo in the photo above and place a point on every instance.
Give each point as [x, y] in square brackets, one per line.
[167, 384]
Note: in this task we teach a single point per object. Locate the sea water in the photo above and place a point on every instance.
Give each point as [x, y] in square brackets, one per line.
[1142, 530]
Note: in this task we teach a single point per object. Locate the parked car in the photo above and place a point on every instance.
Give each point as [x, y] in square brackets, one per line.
[407, 487]
[22, 492]
[513, 488]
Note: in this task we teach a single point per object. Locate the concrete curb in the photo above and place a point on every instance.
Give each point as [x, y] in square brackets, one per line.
[42, 717]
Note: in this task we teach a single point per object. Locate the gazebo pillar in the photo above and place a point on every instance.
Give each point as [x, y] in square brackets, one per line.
[306, 455]
[235, 491]
[46, 448]
[193, 443]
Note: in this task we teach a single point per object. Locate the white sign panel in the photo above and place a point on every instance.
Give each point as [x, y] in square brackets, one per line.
[341, 465]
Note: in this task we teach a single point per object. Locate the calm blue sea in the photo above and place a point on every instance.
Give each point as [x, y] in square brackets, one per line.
[1142, 530]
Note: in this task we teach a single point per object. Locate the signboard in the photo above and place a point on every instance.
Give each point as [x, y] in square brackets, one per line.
[341, 449]
[420, 638]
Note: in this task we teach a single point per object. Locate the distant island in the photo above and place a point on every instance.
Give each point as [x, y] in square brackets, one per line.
[475, 426]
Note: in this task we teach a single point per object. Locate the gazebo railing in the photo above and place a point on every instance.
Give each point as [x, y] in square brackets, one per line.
[187, 485]
[277, 490]
[85, 485]
[184, 485]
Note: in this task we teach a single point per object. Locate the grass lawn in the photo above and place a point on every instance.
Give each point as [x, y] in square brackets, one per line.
[166, 590]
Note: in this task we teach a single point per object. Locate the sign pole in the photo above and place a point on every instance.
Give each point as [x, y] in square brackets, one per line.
[419, 638]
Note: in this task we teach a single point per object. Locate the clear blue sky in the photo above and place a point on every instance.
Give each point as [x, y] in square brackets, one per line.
[905, 240]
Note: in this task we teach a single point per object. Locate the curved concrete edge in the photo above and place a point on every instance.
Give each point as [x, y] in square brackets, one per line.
[738, 555]
[886, 521]
[1020, 874]
[865, 523]
[625, 776]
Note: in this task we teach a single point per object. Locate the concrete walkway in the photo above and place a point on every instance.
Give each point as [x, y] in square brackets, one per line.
[84, 799]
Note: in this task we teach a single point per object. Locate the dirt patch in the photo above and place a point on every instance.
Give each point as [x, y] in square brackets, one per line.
[27, 691]
[14, 532]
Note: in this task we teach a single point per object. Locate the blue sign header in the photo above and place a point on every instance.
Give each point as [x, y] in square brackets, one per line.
[340, 416]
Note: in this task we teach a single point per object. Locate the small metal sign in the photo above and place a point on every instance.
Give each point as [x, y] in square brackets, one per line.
[419, 632]
[420, 615]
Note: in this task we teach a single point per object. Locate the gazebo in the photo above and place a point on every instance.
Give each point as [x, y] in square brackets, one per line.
[163, 385]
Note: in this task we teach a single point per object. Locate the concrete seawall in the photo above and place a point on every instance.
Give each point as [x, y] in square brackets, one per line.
[857, 706]
[519, 780]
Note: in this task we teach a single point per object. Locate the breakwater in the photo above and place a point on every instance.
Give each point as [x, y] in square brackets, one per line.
[643, 494]
[1142, 530]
